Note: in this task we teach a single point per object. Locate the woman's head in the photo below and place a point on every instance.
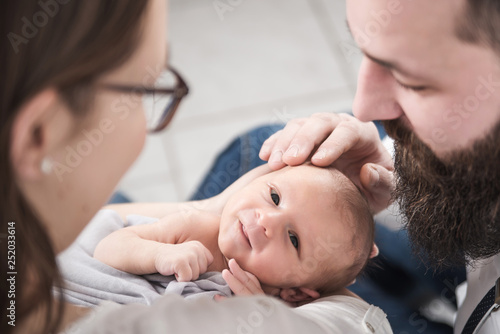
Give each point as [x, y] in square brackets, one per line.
[299, 227]
[53, 113]
[54, 110]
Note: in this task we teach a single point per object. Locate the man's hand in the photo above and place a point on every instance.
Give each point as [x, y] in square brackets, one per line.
[187, 261]
[340, 140]
[241, 282]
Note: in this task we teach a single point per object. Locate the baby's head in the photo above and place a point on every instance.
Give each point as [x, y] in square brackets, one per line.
[305, 230]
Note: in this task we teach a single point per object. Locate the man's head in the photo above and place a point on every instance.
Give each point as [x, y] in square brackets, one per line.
[434, 67]
[306, 230]
[451, 87]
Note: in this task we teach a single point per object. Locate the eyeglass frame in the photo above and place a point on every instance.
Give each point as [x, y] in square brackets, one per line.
[179, 91]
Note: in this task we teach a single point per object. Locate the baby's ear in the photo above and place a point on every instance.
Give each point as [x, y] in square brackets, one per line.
[293, 295]
[374, 251]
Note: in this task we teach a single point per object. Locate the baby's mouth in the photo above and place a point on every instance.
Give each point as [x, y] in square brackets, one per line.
[244, 230]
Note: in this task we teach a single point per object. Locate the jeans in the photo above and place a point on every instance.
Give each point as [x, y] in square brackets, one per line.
[118, 197]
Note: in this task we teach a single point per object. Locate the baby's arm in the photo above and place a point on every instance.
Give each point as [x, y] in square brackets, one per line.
[214, 204]
[155, 247]
[145, 249]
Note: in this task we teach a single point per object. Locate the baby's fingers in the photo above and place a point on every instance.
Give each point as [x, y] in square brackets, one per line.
[184, 273]
[209, 258]
[249, 281]
[235, 285]
[218, 298]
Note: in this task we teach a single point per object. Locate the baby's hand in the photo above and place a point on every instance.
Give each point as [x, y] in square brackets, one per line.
[241, 282]
[187, 261]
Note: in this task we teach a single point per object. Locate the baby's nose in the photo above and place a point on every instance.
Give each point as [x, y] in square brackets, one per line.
[256, 232]
[272, 221]
[249, 217]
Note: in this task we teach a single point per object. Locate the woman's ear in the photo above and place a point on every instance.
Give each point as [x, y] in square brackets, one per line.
[293, 295]
[374, 251]
[37, 128]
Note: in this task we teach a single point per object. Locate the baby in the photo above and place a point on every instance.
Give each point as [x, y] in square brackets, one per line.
[298, 233]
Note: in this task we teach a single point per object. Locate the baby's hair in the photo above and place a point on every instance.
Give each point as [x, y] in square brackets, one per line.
[356, 210]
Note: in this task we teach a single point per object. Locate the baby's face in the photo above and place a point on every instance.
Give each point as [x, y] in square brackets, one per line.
[286, 227]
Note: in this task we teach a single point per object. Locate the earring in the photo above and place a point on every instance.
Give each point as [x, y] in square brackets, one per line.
[46, 166]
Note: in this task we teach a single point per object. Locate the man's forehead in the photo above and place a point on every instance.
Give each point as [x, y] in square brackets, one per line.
[403, 30]
[418, 14]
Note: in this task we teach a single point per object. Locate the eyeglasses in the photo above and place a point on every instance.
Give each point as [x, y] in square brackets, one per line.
[160, 103]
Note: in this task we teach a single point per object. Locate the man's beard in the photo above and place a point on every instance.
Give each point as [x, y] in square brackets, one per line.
[450, 206]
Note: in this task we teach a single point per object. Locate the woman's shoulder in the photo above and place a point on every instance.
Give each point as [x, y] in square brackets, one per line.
[261, 314]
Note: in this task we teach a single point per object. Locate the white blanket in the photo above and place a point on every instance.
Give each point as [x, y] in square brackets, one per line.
[88, 281]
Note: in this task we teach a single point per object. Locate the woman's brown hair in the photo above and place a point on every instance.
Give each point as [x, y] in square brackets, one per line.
[67, 45]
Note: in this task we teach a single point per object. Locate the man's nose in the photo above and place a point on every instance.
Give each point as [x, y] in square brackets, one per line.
[375, 96]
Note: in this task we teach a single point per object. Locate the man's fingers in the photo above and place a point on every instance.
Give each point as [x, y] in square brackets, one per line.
[311, 134]
[267, 146]
[378, 183]
[377, 178]
[277, 144]
[341, 140]
[295, 143]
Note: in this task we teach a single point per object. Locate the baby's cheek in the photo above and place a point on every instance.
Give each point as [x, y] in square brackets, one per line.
[268, 272]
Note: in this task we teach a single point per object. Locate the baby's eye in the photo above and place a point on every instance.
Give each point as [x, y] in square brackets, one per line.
[275, 197]
[294, 240]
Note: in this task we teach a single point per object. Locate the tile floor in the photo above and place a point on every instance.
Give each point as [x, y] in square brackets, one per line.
[247, 63]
